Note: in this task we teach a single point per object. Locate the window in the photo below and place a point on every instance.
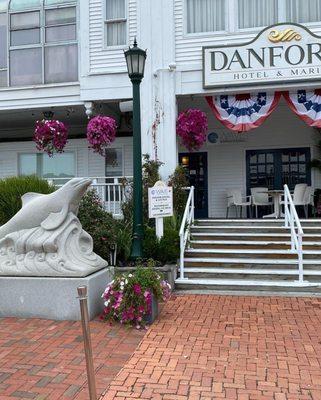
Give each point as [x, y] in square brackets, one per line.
[3, 48]
[114, 162]
[116, 23]
[205, 15]
[42, 42]
[257, 13]
[303, 11]
[60, 166]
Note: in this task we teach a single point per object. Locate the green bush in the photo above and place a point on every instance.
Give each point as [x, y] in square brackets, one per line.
[98, 223]
[11, 190]
[179, 181]
[166, 249]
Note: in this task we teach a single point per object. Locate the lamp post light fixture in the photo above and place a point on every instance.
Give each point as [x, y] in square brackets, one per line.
[135, 59]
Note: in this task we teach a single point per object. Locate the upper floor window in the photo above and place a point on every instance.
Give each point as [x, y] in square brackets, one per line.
[116, 23]
[303, 11]
[205, 15]
[42, 43]
[257, 13]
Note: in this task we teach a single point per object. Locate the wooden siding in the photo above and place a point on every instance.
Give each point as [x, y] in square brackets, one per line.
[102, 58]
[87, 162]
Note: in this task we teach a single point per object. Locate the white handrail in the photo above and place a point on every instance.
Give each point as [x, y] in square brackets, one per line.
[184, 232]
[292, 222]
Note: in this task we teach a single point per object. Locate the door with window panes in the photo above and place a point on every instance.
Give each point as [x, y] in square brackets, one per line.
[275, 168]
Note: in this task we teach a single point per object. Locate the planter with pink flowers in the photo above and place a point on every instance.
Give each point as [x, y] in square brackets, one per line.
[132, 298]
[50, 136]
[191, 127]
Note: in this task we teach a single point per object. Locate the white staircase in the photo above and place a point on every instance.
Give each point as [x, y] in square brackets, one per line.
[250, 255]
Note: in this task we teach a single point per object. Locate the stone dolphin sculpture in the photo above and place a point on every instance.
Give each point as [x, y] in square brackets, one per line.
[47, 210]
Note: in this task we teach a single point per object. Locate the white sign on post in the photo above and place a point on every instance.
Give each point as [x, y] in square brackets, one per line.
[160, 205]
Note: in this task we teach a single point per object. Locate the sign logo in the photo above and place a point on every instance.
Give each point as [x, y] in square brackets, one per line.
[281, 53]
[287, 35]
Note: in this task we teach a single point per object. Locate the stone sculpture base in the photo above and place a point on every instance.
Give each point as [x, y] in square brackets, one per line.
[51, 298]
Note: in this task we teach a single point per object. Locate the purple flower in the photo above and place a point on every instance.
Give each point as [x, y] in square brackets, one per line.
[137, 289]
[191, 127]
[101, 132]
[50, 136]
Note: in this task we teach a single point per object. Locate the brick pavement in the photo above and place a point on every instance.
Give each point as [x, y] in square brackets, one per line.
[44, 360]
[219, 347]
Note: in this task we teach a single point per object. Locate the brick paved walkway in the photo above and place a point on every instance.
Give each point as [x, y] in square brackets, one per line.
[44, 360]
[219, 347]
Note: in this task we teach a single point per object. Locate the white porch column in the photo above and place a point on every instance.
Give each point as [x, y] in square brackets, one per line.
[156, 32]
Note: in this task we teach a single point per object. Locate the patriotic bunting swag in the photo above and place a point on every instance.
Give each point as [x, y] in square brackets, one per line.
[243, 112]
[307, 105]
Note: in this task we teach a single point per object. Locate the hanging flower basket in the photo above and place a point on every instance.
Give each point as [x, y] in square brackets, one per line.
[50, 136]
[191, 127]
[101, 132]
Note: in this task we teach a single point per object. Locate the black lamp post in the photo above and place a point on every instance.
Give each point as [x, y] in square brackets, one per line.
[135, 59]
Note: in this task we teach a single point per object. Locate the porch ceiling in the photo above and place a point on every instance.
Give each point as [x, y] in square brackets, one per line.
[25, 119]
[16, 124]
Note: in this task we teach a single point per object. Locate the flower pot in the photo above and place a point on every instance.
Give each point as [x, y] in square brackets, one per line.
[149, 319]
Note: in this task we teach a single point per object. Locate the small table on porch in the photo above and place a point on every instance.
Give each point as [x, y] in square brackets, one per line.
[277, 197]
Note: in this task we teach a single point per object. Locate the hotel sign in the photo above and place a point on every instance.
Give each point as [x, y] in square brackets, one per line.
[281, 53]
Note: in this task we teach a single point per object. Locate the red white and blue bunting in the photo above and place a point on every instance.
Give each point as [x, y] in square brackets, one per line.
[307, 105]
[243, 112]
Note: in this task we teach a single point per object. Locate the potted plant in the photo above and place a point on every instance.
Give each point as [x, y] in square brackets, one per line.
[132, 298]
[50, 136]
[101, 132]
[191, 127]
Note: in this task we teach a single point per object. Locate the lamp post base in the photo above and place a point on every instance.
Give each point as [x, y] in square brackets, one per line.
[137, 248]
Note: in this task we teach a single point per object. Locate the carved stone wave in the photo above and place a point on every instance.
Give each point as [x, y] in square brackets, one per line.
[64, 252]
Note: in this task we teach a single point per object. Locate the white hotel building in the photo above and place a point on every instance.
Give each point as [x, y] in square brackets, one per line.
[66, 57]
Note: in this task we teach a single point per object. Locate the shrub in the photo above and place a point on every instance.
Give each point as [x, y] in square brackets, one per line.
[128, 299]
[179, 181]
[166, 249]
[150, 177]
[11, 190]
[98, 223]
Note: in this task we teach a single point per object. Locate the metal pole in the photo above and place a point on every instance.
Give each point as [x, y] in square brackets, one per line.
[137, 247]
[82, 295]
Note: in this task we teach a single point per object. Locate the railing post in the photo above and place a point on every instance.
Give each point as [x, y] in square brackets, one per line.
[286, 217]
[181, 259]
[300, 258]
[82, 293]
[193, 207]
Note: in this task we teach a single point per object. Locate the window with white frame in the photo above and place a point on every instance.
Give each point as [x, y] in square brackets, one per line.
[303, 11]
[204, 16]
[114, 162]
[257, 13]
[42, 42]
[60, 166]
[3, 43]
[116, 23]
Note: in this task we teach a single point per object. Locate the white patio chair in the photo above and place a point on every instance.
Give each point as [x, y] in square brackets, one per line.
[308, 199]
[235, 198]
[301, 196]
[260, 198]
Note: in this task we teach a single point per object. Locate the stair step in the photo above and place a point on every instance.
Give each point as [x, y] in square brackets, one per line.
[251, 251]
[270, 261]
[254, 242]
[255, 220]
[248, 244]
[250, 271]
[247, 282]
